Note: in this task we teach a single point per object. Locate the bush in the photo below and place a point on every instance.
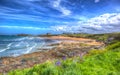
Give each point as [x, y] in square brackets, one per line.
[113, 46]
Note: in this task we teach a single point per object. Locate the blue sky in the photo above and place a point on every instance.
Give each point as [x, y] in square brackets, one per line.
[58, 16]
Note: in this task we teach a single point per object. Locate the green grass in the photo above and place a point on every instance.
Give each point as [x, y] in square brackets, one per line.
[97, 62]
[98, 37]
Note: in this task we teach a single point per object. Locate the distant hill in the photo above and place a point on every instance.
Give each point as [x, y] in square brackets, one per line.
[106, 38]
[24, 35]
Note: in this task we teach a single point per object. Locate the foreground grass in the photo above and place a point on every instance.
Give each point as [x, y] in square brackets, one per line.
[97, 62]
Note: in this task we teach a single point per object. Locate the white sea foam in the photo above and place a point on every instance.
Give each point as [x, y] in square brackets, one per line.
[30, 38]
[29, 49]
[22, 45]
[24, 38]
[9, 44]
[17, 39]
[17, 45]
[42, 44]
[4, 49]
[8, 47]
[27, 45]
[16, 54]
[20, 39]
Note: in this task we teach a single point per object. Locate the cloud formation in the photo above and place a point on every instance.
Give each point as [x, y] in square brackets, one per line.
[82, 16]
[64, 10]
[96, 1]
[21, 27]
[105, 23]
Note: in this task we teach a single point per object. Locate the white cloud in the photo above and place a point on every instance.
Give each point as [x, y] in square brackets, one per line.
[26, 17]
[25, 27]
[59, 27]
[117, 9]
[65, 11]
[32, 0]
[109, 22]
[96, 1]
[107, 18]
[56, 4]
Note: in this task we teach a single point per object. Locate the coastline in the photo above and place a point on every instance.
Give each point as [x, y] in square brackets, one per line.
[74, 39]
[68, 47]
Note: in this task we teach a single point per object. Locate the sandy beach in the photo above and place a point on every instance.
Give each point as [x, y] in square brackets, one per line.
[75, 40]
[68, 47]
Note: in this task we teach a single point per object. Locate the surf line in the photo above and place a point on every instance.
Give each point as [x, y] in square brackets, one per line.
[8, 47]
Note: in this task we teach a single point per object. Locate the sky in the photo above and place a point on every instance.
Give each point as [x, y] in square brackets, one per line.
[59, 16]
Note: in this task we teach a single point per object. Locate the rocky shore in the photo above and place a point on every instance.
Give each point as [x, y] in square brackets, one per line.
[68, 47]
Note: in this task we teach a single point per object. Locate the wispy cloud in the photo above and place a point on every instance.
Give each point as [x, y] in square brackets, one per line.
[57, 5]
[109, 22]
[96, 1]
[32, 0]
[66, 15]
[29, 11]
[24, 27]
[26, 17]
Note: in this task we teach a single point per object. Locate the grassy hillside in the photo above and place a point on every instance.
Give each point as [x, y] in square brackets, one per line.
[107, 38]
[96, 62]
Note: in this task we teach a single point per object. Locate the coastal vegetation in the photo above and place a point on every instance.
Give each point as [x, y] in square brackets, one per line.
[99, 37]
[104, 61]
[86, 59]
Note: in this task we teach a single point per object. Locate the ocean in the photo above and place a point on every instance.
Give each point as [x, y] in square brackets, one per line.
[12, 46]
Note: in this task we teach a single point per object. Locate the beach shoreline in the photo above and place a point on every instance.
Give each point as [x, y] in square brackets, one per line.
[68, 47]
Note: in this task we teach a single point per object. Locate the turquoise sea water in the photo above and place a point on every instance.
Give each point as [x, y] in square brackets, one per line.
[18, 45]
